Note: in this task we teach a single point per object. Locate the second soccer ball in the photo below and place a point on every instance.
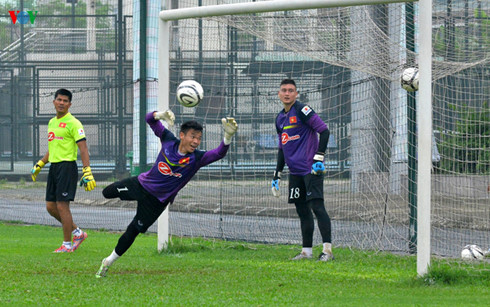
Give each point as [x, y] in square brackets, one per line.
[189, 93]
[410, 79]
[472, 252]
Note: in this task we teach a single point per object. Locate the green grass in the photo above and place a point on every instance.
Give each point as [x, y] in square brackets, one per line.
[22, 183]
[200, 272]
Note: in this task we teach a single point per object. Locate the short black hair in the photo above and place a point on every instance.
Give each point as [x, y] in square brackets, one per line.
[288, 81]
[191, 124]
[64, 92]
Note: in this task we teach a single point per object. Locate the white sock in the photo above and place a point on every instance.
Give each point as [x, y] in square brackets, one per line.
[327, 247]
[307, 250]
[76, 232]
[113, 257]
[67, 244]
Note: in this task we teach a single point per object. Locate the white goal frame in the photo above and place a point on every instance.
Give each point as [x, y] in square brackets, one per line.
[424, 117]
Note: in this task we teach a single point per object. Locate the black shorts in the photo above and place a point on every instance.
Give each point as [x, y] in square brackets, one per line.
[62, 181]
[305, 188]
[149, 207]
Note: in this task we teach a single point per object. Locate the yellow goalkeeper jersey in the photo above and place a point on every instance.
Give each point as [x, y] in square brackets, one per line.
[63, 135]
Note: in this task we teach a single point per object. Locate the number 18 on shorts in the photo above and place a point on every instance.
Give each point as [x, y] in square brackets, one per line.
[305, 188]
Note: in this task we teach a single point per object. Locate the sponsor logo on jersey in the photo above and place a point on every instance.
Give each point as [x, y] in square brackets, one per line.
[286, 138]
[52, 136]
[166, 170]
[81, 132]
[293, 120]
[306, 110]
[62, 125]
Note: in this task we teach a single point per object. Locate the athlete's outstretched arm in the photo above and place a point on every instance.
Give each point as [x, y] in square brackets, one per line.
[214, 154]
[167, 116]
[230, 127]
[155, 125]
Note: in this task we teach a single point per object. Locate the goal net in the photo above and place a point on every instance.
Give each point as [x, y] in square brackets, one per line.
[347, 63]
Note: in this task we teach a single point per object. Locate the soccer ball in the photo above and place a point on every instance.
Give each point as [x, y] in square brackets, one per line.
[472, 252]
[189, 93]
[410, 79]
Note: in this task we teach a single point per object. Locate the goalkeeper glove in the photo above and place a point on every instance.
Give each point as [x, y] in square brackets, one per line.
[87, 179]
[318, 168]
[229, 127]
[36, 169]
[167, 116]
[275, 184]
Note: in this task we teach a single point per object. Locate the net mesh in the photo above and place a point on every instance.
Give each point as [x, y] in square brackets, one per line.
[347, 64]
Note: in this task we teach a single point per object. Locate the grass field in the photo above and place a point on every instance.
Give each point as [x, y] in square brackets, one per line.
[200, 272]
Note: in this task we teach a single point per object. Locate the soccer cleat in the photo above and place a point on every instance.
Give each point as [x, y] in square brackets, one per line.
[63, 249]
[326, 257]
[77, 240]
[102, 270]
[302, 256]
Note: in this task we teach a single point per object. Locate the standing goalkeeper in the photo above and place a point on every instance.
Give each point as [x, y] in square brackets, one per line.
[65, 134]
[177, 162]
[298, 127]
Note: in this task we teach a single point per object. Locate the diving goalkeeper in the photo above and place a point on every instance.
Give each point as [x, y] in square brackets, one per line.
[177, 162]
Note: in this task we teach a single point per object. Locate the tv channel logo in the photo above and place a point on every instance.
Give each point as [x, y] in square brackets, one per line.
[23, 17]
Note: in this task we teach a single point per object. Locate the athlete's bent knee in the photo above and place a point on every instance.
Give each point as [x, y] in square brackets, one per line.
[110, 191]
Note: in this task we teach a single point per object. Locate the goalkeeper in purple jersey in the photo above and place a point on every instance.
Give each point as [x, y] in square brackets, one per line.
[177, 162]
[298, 127]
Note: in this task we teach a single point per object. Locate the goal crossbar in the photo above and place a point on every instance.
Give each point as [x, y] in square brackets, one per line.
[262, 7]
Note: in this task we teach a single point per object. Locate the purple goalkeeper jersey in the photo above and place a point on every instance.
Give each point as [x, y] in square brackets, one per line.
[298, 137]
[172, 170]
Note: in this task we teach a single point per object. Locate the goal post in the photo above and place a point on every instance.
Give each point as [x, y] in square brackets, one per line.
[163, 104]
[424, 116]
[424, 139]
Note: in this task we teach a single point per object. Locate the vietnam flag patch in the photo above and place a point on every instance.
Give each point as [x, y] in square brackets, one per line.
[62, 125]
[184, 160]
[293, 120]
